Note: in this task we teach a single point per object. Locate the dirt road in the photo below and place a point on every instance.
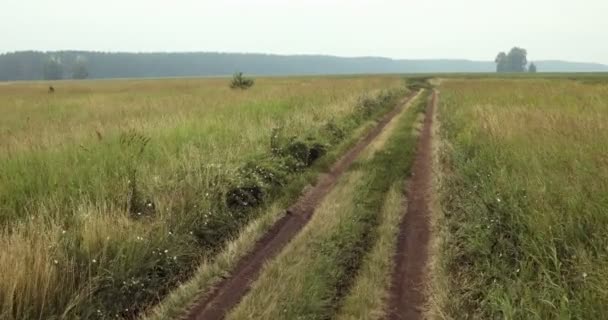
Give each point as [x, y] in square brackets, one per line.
[407, 296]
[230, 291]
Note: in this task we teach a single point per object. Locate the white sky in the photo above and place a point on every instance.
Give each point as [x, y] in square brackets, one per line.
[575, 30]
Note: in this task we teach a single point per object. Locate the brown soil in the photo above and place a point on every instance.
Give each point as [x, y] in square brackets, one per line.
[230, 290]
[407, 292]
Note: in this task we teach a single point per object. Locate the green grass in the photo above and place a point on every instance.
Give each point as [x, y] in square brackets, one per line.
[111, 192]
[313, 275]
[524, 198]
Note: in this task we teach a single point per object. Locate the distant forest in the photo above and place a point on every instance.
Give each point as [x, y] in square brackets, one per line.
[34, 65]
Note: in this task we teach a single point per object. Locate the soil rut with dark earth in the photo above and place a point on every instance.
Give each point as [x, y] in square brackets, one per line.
[231, 290]
[407, 291]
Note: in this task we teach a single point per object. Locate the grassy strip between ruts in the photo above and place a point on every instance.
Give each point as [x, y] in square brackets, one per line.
[367, 298]
[315, 272]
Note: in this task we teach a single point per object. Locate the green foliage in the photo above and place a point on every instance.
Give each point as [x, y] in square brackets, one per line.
[514, 61]
[240, 82]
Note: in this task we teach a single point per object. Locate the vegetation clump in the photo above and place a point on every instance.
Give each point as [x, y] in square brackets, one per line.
[240, 82]
[417, 83]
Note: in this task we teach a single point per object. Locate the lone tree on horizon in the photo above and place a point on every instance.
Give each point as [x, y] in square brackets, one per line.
[532, 68]
[515, 61]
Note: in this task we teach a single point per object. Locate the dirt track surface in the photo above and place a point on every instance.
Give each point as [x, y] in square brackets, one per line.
[407, 292]
[231, 290]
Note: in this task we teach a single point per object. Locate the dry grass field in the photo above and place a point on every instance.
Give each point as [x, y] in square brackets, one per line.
[112, 192]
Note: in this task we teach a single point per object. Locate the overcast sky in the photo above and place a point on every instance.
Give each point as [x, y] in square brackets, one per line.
[469, 29]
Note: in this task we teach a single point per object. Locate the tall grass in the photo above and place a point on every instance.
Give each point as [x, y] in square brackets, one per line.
[111, 192]
[525, 199]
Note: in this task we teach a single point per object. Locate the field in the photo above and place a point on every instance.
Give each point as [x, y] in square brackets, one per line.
[111, 192]
[362, 197]
[524, 199]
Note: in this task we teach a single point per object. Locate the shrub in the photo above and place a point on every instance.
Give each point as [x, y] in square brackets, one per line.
[240, 82]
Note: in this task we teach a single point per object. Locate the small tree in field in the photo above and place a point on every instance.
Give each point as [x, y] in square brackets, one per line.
[532, 68]
[240, 82]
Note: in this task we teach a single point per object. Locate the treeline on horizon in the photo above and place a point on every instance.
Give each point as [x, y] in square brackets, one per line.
[37, 65]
